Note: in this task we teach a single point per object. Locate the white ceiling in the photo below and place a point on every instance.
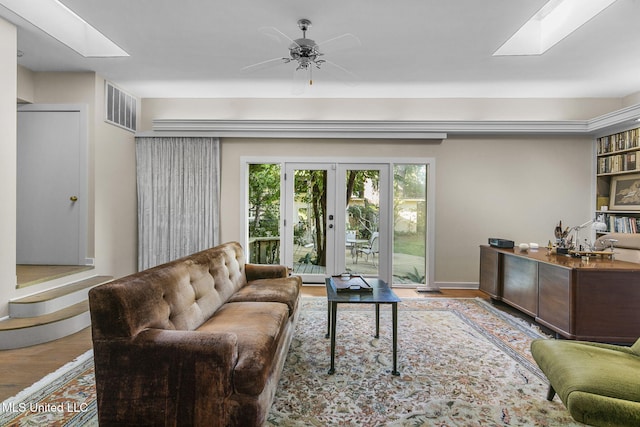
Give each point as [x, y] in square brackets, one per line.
[409, 48]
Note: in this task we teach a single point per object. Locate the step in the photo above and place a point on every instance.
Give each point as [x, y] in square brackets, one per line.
[24, 332]
[55, 299]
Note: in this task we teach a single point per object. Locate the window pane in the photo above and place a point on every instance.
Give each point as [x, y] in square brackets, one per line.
[264, 213]
[362, 222]
[409, 223]
[310, 205]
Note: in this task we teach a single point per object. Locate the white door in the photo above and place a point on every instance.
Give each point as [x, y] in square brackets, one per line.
[50, 197]
[330, 226]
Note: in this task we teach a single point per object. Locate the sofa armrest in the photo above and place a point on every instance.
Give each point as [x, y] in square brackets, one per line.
[265, 271]
[165, 377]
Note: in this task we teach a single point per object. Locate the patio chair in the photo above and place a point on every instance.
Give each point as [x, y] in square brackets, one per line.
[350, 237]
[372, 248]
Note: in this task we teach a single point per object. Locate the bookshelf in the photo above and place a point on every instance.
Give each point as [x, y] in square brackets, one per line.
[618, 181]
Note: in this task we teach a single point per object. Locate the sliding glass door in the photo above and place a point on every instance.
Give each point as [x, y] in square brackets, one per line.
[326, 218]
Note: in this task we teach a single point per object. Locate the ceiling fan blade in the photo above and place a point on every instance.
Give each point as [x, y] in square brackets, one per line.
[341, 73]
[263, 65]
[276, 35]
[345, 41]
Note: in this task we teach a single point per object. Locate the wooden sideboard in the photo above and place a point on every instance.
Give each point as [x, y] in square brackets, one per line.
[595, 300]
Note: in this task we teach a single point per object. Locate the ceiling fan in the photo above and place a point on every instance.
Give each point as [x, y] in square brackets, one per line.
[306, 55]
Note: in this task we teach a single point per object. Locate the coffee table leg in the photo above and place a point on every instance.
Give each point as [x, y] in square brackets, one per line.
[328, 335]
[334, 309]
[394, 311]
[377, 321]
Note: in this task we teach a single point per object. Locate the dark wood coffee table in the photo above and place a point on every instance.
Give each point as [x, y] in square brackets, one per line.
[381, 294]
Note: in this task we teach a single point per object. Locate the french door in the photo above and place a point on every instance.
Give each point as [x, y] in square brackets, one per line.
[336, 219]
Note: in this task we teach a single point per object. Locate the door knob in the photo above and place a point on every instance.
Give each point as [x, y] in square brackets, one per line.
[73, 198]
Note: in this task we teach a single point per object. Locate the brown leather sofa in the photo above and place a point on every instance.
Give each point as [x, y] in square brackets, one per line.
[200, 341]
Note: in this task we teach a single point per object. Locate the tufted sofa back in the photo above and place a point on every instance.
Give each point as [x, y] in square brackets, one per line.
[179, 295]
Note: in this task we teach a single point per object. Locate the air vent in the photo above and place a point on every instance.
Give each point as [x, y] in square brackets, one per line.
[120, 107]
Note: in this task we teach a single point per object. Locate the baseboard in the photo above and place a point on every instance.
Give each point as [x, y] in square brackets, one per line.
[458, 285]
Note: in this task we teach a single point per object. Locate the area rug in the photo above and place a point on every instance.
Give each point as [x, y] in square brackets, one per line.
[462, 362]
[66, 397]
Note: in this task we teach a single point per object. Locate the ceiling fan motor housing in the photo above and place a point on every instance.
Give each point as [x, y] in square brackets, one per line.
[305, 51]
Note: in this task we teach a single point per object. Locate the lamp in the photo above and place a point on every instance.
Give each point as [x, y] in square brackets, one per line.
[596, 224]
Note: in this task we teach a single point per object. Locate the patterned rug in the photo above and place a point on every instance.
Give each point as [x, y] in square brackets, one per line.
[462, 362]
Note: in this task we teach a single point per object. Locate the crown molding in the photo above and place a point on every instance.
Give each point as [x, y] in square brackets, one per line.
[303, 128]
[391, 129]
[608, 123]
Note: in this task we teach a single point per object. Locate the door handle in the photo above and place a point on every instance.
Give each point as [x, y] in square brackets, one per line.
[73, 198]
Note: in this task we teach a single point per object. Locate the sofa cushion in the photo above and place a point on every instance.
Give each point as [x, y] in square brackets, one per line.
[579, 367]
[283, 290]
[258, 326]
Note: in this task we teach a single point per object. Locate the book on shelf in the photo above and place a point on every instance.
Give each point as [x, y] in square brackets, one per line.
[619, 141]
[621, 224]
[626, 162]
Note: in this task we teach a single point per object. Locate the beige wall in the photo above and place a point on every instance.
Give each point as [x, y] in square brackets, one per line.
[8, 152]
[112, 184]
[511, 187]
[115, 194]
[516, 187]
[376, 109]
[26, 82]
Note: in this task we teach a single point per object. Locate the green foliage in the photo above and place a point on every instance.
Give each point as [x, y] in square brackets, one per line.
[410, 181]
[415, 276]
[311, 188]
[264, 200]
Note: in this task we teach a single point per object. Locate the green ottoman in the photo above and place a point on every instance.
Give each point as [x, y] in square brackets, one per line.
[598, 383]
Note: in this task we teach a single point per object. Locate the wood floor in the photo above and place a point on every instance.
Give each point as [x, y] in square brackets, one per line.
[22, 367]
[28, 275]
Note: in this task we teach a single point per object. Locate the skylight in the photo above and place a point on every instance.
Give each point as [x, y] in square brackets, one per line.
[64, 25]
[555, 21]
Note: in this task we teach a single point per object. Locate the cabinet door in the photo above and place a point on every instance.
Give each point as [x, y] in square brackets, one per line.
[555, 310]
[520, 283]
[490, 272]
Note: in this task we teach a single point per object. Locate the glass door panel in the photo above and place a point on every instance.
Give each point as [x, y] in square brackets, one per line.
[322, 219]
[310, 207]
[264, 213]
[410, 224]
[362, 221]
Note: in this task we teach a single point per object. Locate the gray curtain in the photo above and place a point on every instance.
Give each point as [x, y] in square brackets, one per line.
[178, 197]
